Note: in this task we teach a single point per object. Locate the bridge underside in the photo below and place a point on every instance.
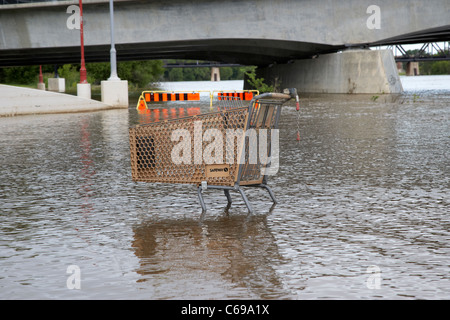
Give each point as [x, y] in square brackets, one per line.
[259, 52]
[237, 51]
[248, 32]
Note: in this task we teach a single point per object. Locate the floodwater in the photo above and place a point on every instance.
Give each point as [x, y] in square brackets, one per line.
[363, 208]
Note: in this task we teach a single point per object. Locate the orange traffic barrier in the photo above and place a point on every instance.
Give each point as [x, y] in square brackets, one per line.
[163, 96]
[141, 104]
[242, 95]
[167, 96]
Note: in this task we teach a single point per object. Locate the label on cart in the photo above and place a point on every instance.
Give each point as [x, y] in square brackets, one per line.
[217, 170]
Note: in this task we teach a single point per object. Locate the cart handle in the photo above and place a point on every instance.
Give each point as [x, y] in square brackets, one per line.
[288, 94]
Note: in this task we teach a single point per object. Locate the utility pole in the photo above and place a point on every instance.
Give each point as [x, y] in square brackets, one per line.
[113, 76]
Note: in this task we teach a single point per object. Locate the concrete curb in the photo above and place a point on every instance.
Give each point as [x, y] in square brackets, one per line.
[16, 101]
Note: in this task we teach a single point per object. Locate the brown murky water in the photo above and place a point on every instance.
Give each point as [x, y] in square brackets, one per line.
[366, 189]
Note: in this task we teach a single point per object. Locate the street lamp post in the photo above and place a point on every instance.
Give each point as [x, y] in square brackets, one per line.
[41, 84]
[114, 90]
[83, 88]
[113, 76]
[83, 73]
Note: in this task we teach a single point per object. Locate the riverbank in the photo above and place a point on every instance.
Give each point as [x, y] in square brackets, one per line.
[21, 101]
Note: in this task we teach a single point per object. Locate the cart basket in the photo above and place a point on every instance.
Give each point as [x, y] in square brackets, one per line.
[213, 150]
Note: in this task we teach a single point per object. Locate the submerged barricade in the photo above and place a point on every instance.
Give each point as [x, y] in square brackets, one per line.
[232, 147]
[166, 96]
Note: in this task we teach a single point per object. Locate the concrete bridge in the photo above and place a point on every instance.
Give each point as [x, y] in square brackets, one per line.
[291, 40]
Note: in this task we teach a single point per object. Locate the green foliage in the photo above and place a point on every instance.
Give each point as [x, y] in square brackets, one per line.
[226, 73]
[98, 71]
[174, 74]
[203, 73]
[188, 74]
[71, 75]
[434, 67]
[27, 75]
[441, 67]
[239, 72]
[258, 83]
[140, 73]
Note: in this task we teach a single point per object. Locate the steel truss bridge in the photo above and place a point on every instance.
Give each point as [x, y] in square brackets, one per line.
[431, 51]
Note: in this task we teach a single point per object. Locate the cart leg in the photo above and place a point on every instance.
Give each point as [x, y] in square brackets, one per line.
[200, 197]
[227, 194]
[270, 193]
[249, 206]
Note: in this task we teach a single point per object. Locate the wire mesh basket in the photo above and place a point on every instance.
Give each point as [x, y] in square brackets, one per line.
[213, 150]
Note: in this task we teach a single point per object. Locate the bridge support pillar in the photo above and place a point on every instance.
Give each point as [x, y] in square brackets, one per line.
[412, 68]
[215, 74]
[115, 93]
[350, 71]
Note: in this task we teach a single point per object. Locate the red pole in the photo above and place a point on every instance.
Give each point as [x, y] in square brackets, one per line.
[83, 77]
[41, 78]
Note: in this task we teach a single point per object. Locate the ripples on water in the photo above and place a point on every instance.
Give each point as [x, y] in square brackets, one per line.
[367, 185]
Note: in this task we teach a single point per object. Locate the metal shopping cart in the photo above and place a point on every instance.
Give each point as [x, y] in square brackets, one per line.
[218, 150]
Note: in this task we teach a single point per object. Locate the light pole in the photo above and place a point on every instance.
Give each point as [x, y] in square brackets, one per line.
[114, 90]
[113, 76]
[83, 73]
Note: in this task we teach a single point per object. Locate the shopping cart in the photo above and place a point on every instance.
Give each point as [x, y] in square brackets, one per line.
[213, 150]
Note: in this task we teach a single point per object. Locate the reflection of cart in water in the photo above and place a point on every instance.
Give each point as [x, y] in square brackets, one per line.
[228, 254]
[217, 150]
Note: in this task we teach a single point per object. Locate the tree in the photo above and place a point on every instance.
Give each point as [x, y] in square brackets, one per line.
[440, 67]
[226, 73]
[138, 73]
[174, 74]
[71, 73]
[141, 73]
[22, 75]
[98, 71]
[258, 83]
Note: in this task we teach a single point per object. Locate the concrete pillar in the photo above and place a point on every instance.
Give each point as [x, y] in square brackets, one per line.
[400, 67]
[84, 90]
[351, 71]
[57, 84]
[412, 68]
[215, 74]
[115, 92]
